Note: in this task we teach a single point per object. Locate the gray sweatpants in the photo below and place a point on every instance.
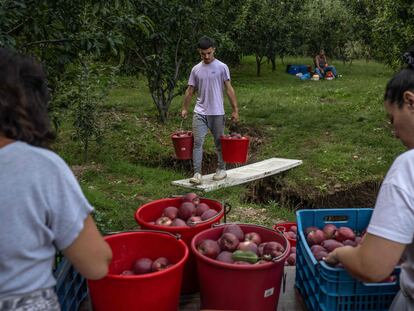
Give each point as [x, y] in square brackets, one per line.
[201, 125]
[40, 300]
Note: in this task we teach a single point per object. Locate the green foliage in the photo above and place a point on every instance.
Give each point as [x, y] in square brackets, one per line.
[164, 55]
[328, 26]
[265, 28]
[85, 86]
[393, 30]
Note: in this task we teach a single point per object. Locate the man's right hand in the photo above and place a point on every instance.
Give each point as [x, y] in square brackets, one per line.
[184, 114]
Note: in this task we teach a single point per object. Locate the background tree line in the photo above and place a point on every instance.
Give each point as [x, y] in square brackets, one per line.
[84, 44]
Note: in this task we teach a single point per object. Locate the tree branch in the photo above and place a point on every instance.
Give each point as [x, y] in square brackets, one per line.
[53, 41]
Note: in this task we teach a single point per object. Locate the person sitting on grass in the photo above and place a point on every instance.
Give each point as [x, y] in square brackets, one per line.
[42, 206]
[322, 67]
[389, 240]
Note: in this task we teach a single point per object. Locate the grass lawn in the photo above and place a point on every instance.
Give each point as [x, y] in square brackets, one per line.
[338, 128]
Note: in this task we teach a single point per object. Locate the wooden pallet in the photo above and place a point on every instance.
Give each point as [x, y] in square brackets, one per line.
[242, 174]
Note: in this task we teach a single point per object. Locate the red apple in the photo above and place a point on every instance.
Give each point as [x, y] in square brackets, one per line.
[315, 237]
[253, 237]
[142, 266]
[310, 229]
[170, 212]
[260, 249]
[344, 233]
[201, 208]
[228, 242]
[236, 230]
[193, 220]
[209, 214]
[209, 248]
[186, 210]
[248, 246]
[225, 256]
[163, 221]
[273, 249]
[291, 260]
[331, 244]
[178, 222]
[317, 248]
[329, 231]
[127, 272]
[191, 197]
[159, 264]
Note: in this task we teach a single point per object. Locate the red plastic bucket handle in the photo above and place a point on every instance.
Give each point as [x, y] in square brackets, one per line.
[176, 235]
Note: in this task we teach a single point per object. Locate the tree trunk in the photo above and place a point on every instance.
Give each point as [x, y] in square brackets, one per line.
[273, 60]
[258, 65]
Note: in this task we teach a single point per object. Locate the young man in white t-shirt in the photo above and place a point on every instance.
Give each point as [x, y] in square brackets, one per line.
[208, 79]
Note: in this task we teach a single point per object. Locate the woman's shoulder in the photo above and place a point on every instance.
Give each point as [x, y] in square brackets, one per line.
[28, 153]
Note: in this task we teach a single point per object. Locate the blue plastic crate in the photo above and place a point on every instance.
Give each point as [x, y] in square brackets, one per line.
[71, 287]
[327, 288]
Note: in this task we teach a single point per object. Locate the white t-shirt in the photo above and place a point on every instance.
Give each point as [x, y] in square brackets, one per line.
[41, 206]
[393, 216]
[208, 80]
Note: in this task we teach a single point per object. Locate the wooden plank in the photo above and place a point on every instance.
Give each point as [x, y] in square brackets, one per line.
[242, 174]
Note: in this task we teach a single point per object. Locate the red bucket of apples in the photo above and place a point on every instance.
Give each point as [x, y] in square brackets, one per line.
[145, 273]
[289, 230]
[240, 266]
[186, 215]
[234, 148]
[183, 144]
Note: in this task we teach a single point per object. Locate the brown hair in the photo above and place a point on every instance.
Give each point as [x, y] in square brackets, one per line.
[24, 98]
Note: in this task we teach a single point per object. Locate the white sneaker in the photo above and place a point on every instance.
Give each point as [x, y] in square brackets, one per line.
[196, 179]
[219, 175]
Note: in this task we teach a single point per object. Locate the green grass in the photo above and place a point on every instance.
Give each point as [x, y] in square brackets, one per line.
[338, 128]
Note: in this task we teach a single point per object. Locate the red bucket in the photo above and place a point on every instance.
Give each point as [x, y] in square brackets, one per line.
[183, 144]
[225, 286]
[154, 291]
[284, 227]
[234, 150]
[152, 210]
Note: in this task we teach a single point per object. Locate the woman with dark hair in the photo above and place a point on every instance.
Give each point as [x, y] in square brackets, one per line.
[42, 207]
[390, 233]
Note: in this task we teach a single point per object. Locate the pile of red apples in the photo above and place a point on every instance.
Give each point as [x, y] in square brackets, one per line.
[236, 247]
[325, 240]
[146, 265]
[234, 136]
[190, 212]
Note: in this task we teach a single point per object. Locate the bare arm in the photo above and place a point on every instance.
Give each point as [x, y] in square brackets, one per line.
[89, 253]
[187, 100]
[233, 100]
[372, 261]
[317, 64]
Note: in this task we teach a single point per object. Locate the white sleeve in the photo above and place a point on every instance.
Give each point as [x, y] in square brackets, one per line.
[393, 216]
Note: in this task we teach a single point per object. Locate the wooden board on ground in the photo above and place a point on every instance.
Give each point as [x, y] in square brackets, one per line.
[242, 174]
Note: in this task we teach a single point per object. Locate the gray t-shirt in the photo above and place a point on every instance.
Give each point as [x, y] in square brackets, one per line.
[208, 80]
[41, 207]
[393, 216]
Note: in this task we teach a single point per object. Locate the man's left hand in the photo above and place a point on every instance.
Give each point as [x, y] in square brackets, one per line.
[235, 116]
